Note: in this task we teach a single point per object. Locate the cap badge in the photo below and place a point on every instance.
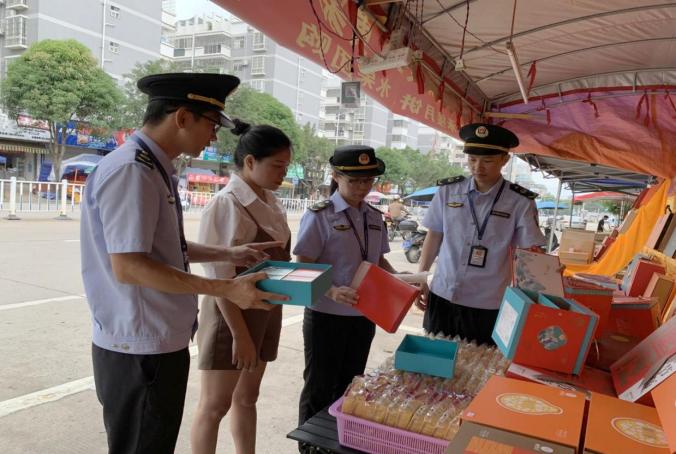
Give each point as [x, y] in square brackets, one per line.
[481, 132]
[364, 159]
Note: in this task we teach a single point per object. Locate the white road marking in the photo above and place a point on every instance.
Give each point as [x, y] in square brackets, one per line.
[44, 396]
[6, 307]
[54, 393]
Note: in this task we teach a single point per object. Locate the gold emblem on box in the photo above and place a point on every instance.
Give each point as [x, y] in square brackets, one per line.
[527, 404]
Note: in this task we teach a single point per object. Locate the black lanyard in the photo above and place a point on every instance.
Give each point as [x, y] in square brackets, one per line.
[481, 230]
[173, 190]
[365, 247]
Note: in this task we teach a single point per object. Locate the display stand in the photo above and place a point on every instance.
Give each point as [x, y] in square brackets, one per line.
[320, 432]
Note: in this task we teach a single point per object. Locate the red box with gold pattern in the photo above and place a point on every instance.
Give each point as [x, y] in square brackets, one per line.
[529, 409]
[665, 404]
[595, 297]
[615, 426]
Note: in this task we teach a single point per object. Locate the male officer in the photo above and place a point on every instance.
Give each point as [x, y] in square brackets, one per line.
[135, 264]
[473, 223]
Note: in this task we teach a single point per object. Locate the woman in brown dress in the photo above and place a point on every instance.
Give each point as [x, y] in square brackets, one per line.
[235, 345]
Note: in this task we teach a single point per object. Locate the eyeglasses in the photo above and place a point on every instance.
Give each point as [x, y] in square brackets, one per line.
[217, 124]
[365, 181]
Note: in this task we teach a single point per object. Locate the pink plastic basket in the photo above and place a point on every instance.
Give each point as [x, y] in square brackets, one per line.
[376, 438]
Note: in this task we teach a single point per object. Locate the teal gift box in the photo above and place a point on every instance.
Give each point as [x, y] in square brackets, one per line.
[303, 283]
[426, 356]
[544, 331]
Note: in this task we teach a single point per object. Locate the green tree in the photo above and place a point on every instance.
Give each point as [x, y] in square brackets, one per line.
[133, 107]
[256, 108]
[427, 169]
[397, 165]
[312, 153]
[59, 81]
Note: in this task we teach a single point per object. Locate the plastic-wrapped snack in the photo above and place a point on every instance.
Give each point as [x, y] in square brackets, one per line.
[433, 415]
[394, 409]
[355, 393]
[407, 409]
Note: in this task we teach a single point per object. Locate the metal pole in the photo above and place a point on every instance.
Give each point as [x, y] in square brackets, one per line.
[103, 33]
[572, 205]
[556, 210]
[12, 200]
[64, 199]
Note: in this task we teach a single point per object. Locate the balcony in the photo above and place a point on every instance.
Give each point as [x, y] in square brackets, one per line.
[15, 32]
[212, 51]
[17, 4]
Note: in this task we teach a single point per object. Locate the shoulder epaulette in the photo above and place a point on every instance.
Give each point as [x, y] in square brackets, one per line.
[374, 208]
[450, 180]
[319, 206]
[523, 191]
[143, 157]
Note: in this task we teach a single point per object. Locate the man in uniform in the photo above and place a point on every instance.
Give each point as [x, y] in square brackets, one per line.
[135, 264]
[472, 225]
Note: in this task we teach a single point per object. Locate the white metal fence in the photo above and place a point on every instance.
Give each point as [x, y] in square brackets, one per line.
[64, 197]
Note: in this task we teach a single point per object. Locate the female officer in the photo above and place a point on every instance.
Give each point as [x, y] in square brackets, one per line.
[342, 231]
[235, 345]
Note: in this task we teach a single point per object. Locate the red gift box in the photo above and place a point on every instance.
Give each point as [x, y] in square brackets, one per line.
[646, 365]
[595, 297]
[634, 316]
[383, 298]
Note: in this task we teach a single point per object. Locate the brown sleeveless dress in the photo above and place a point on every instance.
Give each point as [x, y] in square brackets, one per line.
[214, 337]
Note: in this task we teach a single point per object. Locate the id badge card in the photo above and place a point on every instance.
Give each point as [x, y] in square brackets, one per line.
[477, 256]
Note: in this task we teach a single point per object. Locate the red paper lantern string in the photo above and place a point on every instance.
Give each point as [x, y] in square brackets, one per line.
[593, 104]
[531, 75]
[420, 79]
[639, 106]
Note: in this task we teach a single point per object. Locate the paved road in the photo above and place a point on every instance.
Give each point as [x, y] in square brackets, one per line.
[47, 400]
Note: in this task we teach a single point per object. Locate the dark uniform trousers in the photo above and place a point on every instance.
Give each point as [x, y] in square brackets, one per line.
[442, 316]
[336, 349]
[142, 398]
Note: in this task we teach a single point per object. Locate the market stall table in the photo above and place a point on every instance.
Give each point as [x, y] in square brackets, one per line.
[320, 431]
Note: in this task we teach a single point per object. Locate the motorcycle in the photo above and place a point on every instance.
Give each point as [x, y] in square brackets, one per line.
[404, 227]
[413, 246]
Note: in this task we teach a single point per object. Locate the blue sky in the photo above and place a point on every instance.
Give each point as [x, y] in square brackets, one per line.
[189, 8]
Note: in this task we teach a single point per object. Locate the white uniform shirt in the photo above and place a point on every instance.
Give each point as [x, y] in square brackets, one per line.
[127, 208]
[512, 223]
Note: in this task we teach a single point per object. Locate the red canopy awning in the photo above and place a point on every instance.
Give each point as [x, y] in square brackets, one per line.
[606, 195]
[209, 179]
[601, 75]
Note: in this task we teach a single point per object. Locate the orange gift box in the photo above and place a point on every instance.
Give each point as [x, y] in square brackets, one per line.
[616, 426]
[665, 404]
[634, 316]
[646, 365]
[639, 273]
[383, 298]
[595, 297]
[589, 380]
[529, 409]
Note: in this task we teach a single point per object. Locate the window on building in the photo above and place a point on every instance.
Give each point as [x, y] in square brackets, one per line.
[257, 84]
[212, 49]
[114, 47]
[15, 31]
[258, 65]
[240, 43]
[114, 12]
[179, 52]
[397, 138]
[258, 41]
[398, 123]
[183, 43]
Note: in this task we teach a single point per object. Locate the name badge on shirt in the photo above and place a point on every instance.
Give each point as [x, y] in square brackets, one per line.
[477, 256]
[341, 227]
[375, 227]
[502, 214]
